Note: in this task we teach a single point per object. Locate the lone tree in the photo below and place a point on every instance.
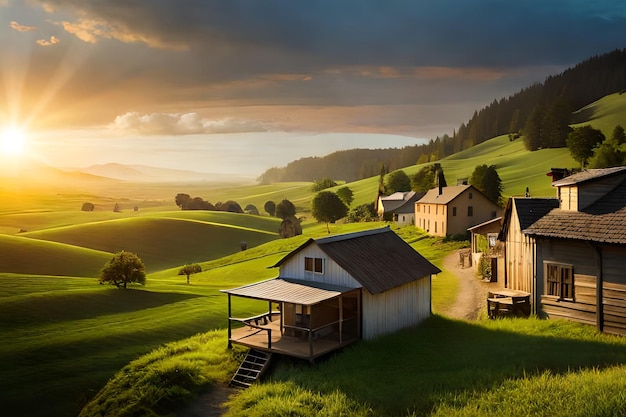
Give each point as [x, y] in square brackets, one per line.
[346, 195]
[328, 207]
[581, 142]
[87, 207]
[123, 269]
[322, 184]
[285, 209]
[270, 208]
[190, 269]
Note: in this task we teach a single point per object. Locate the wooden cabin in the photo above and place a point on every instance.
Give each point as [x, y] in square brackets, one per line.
[518, 270]
[333, 291]
[452, 210]
[581, 251]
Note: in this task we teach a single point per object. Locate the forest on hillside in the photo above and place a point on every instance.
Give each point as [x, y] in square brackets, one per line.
[549, 104]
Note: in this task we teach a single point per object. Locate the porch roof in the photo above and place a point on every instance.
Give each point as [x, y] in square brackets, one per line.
[290, 291]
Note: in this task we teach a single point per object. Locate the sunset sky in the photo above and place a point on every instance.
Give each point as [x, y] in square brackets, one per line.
[240, 86]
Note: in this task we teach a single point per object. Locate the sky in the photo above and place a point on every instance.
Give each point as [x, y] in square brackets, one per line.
[244, 85]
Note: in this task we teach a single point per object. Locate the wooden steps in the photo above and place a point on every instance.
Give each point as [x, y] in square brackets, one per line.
[251, 369]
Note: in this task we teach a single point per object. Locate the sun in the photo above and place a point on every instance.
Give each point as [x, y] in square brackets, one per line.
[12, 140]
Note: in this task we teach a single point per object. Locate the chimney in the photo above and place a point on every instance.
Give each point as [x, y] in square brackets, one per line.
[440, 188]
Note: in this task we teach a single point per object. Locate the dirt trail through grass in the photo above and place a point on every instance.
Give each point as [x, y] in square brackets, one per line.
[471, 301]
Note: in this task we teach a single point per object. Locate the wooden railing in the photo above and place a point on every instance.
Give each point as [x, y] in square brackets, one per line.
[257, 322]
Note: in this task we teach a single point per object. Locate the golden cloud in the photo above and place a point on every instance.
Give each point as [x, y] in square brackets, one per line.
[43, 42]
[21, 28]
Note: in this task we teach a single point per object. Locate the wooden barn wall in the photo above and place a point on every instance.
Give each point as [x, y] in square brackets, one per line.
[520, 256]
[614, 289]
[333, 273]
[397, 308]
[583, 258]
[592, 191]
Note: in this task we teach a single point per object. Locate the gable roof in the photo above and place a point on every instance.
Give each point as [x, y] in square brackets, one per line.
[528, 210]
[377, 259]
[401, 202]
[603, 222]
[448, 194]
[588, 175]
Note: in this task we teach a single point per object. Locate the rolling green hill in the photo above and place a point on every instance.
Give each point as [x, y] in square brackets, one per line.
[161, 242]
[22, 255]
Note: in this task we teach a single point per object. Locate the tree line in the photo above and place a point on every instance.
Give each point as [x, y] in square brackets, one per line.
[542, 112]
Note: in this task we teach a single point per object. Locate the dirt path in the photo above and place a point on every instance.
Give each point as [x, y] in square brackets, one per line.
[471, 301]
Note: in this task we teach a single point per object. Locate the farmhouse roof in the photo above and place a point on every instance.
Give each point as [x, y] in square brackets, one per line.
[377, 259]
[588, 175]
[290, 290]
[448, 194]
[602, 222]
[401, 202]
[528, 210]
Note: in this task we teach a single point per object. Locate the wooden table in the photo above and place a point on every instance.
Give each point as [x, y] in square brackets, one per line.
[504, 303]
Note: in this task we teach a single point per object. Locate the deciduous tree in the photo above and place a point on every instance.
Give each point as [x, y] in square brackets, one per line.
[190, 269]
[486, 180]
[581, 142]
[397, 181]
[123, 269]
[327, 207]
[270, 208]
[181, 199]
[346, 195]
[285, 209]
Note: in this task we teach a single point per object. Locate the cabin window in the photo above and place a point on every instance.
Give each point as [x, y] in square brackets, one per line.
[471, 196]
[417, 208]
[453, 211]
[470, 211]
[315, 265]
[559, 281]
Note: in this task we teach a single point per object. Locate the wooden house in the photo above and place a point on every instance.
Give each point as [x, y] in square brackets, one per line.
[453, 210]
[519, 249]
[581, 251]
[398, 207]
[484, 242]
[333, 291]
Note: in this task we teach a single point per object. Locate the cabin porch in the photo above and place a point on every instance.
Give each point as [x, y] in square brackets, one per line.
[310, 320]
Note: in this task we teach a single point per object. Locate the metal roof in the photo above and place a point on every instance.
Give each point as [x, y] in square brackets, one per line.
[377, 259]
[290, 291]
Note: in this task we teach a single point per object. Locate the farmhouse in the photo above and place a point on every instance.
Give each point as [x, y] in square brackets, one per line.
[399, 207]
[452, 210]
[332, 291]
[581, 251]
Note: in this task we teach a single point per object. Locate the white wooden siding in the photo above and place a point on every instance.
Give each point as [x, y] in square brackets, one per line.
[333, 273]
[397, 308]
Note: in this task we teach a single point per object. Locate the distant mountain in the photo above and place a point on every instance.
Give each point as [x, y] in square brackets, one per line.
[29, 171]
[143, 173]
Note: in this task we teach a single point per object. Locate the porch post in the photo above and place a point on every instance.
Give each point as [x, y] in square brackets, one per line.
[230, 344]
[340, 319]
[269, 310]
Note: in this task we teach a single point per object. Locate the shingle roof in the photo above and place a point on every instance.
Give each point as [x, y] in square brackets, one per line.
[447, 194]
[603, 222]
[587, 175]
[378, 259]
[528, 210]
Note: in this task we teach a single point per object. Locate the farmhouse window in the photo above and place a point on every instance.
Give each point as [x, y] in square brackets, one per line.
[314, 265]
[560, 281]
[471, 196]
[453, 211]
[470, 211]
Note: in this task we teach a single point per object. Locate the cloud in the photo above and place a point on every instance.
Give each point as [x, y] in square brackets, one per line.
[21, 28]
[43, 42]
[181, 124]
